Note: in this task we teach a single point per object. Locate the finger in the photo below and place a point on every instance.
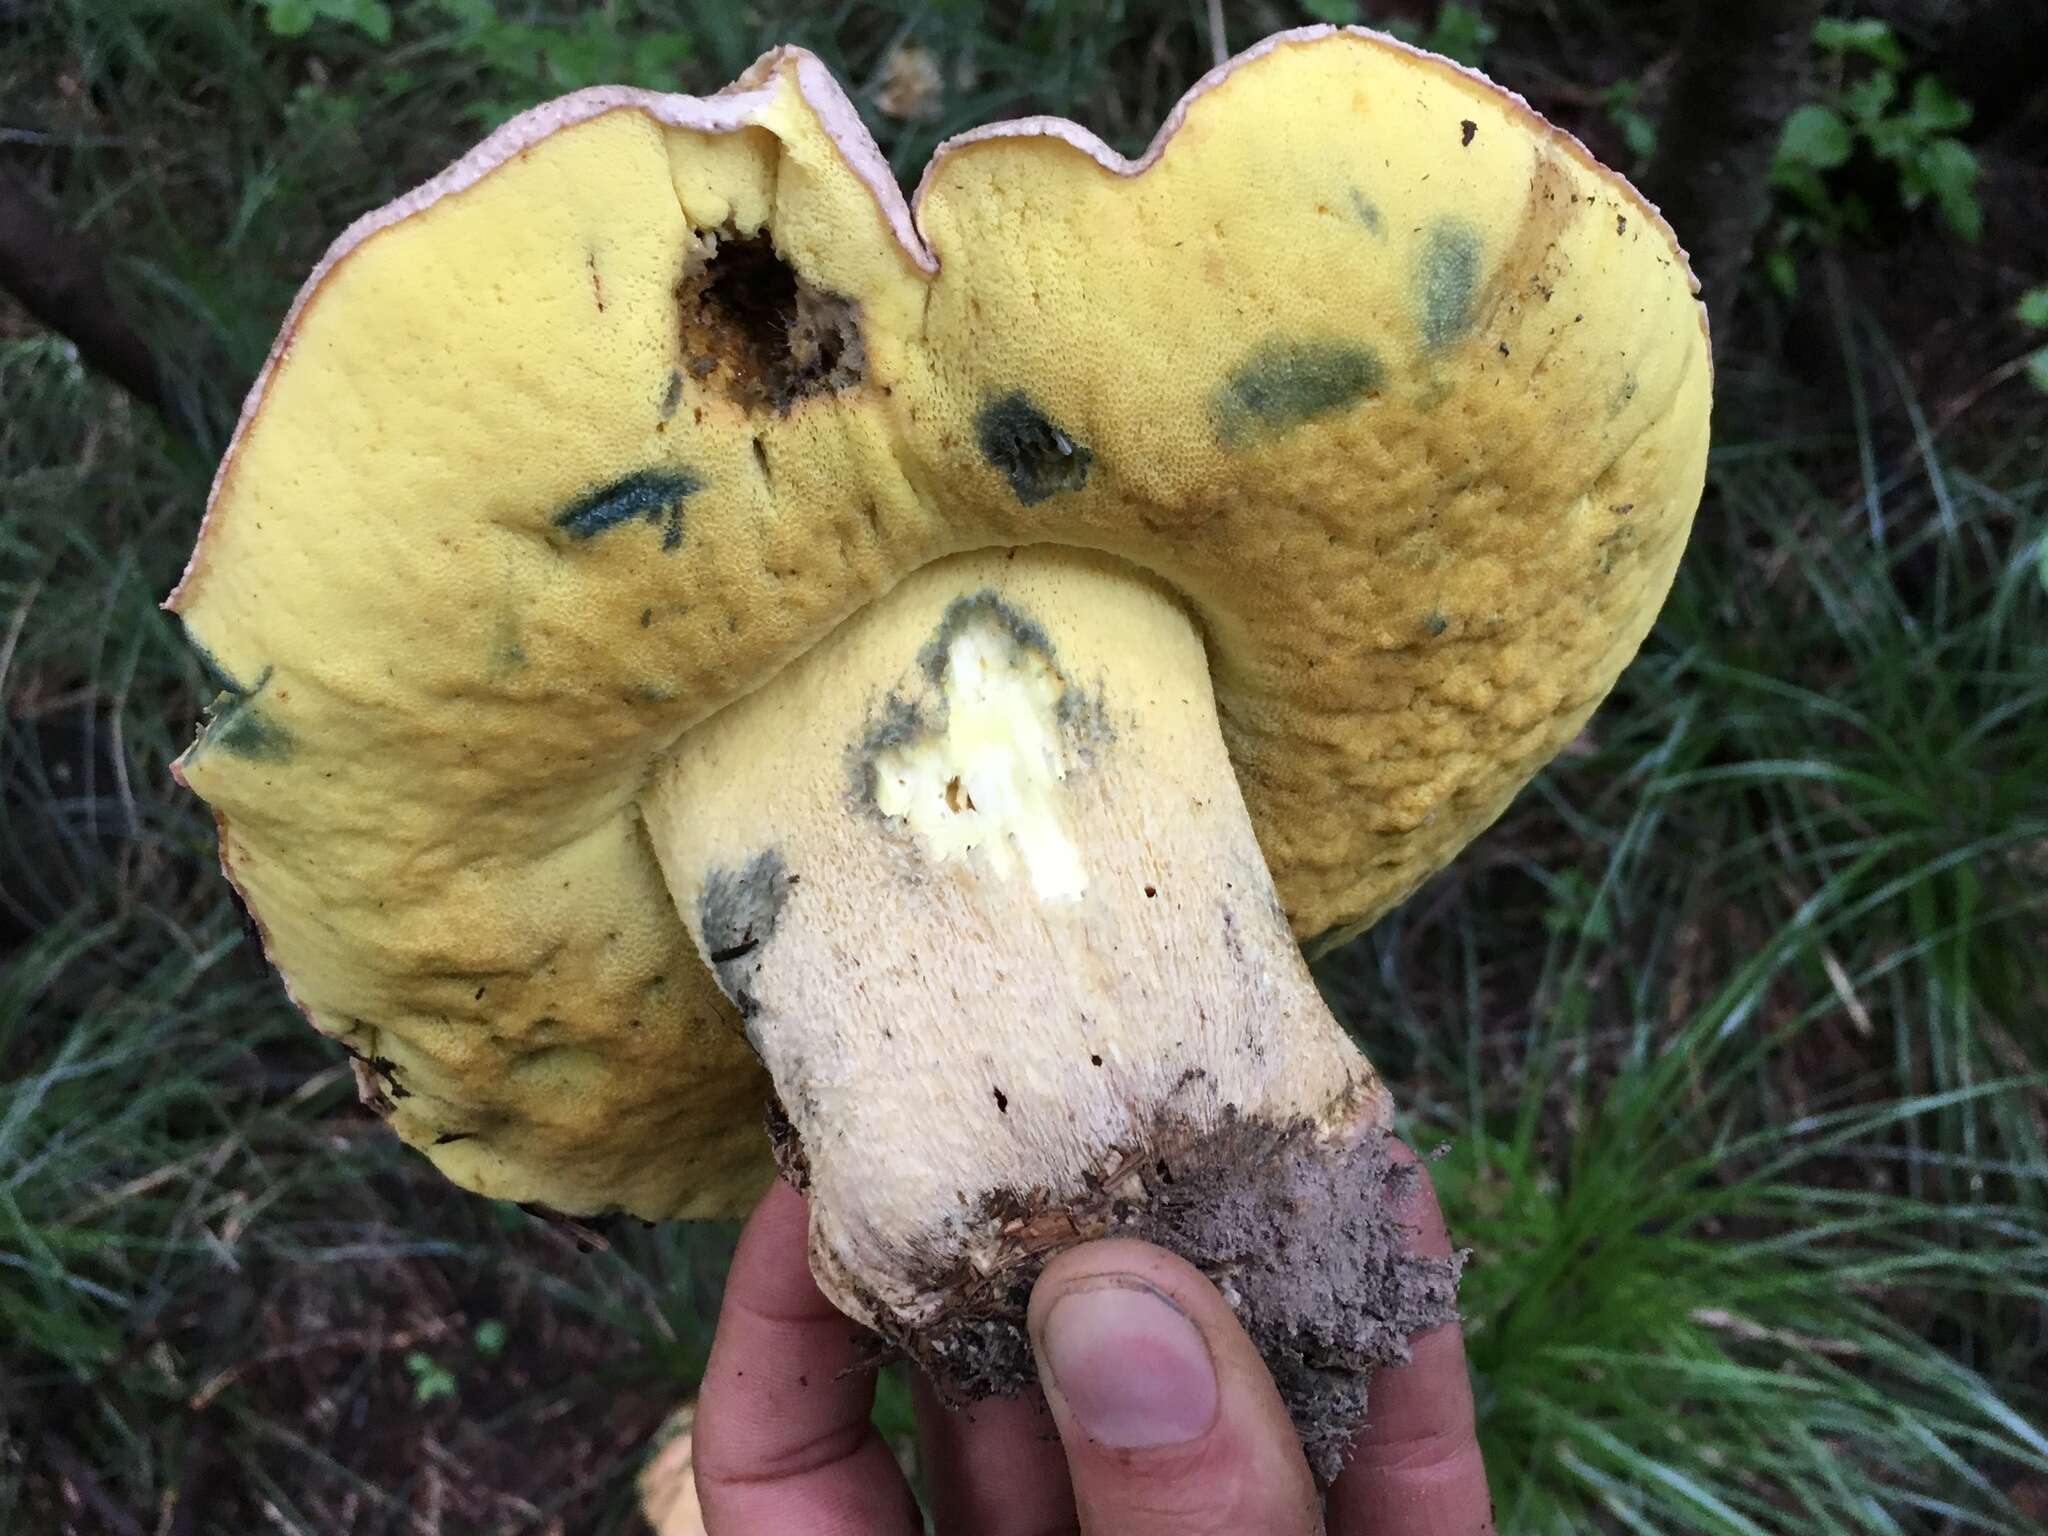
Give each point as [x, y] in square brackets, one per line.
[1170, 1421]
[783, 1438]
[1417, 1470]
[993, 1468]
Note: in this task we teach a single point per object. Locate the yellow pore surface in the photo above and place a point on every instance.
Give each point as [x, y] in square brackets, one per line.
[1405, 396]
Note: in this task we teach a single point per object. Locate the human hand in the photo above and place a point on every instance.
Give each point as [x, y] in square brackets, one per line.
[1157, 1415]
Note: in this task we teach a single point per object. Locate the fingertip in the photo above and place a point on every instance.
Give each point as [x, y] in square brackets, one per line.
[1417, 1467]
[771, 1267]
[994, 1466]
[1169, 1419]
[1134, 1370]
[1127, 1258]
[783, 1433]
[1426, 1401]
[1120, 1295]
[783, 1208]
[1415, 1199]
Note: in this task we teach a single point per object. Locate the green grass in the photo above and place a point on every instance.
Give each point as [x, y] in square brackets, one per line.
[213, 1267]
[1740, 1057]
[1732, 1025]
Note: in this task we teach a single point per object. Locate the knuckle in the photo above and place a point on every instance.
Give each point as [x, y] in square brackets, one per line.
[1431, 1451]
[1209, 1492]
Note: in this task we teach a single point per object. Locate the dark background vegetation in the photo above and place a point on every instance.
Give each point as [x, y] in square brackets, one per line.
[1734, 1026]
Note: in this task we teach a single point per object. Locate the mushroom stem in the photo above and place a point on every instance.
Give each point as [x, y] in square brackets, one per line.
[978, 877]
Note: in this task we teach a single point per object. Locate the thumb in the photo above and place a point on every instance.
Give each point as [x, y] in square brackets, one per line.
[1169, 1419]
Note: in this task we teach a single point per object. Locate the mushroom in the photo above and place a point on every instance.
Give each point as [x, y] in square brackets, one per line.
[696, 632]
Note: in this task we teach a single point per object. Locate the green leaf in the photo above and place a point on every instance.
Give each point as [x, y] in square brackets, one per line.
[1804, 187]
[1783, 273]
[490, 1338]
[1948, 169]
[1865, 35]
[430, 1378]
[290, 18]
[1851, 216]
[1816, 137]
[1337, 12]
[1896, 139]
[1961, 211]
[1866, 100]
[295, 18]
[1938, 109]
[2033, 308]
[1463, 34]
[895, 1410]
[1638, 132]
[658, 58]
[374, 17]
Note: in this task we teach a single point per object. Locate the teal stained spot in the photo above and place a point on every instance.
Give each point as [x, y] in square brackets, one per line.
[1435, 623]
[1033, 453]
[238, 727]
[1284, 383]
[736, 913]
[1368, 213]
[1447, 277]
[248, 732]
[653, 496]
[508, 654]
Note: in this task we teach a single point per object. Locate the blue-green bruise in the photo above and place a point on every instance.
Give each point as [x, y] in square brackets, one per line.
[240, 729]
[1038, 457]
[1368, 212]
[1282, 384]
[245, 731]
[1446, 280]
[508, 653]
[654, 496]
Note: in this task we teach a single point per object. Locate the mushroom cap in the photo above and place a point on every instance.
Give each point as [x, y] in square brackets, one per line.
[1400, 390]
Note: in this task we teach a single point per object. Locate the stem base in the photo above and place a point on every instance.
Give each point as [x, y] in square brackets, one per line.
[1299, 1230]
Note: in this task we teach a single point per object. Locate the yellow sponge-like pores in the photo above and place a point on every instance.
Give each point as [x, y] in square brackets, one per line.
[1405, 395]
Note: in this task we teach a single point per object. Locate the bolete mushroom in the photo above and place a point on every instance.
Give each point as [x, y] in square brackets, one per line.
[697, 631]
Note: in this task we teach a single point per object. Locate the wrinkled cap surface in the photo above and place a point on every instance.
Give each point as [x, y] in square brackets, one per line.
[560, 454]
